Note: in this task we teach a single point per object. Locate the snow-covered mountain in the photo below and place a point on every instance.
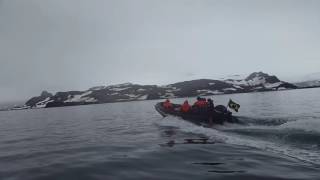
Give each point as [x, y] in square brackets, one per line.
[255, 82]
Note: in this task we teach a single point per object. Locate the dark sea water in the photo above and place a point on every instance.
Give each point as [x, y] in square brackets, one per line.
[279, 139]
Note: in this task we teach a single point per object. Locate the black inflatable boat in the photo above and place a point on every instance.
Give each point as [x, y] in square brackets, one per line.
[199, 117]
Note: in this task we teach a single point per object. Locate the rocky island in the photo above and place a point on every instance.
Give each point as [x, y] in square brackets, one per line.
[255, 82]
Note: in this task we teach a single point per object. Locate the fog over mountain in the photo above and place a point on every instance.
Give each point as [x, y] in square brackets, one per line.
[59, 45]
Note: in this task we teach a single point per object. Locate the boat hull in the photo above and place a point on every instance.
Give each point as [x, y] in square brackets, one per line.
[199, 118]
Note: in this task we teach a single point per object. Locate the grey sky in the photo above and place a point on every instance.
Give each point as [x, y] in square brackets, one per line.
[76, 44]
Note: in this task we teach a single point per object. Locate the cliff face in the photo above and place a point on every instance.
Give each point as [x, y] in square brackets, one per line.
[37, 101]
[257, 81]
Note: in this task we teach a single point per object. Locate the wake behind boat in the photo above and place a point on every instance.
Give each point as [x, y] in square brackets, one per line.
[198, 116]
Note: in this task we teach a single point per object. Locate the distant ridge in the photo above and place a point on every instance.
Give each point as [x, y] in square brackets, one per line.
[255, 82]
[308, 81]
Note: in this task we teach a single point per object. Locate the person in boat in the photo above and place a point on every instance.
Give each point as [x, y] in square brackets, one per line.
[200, 105]
[204, 103]
[200, 102]
[185, 107]
[167, 104]
[196, 105]
[210, 109]
[210, 105]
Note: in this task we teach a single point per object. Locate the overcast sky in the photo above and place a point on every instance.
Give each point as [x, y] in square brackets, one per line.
[60, 45]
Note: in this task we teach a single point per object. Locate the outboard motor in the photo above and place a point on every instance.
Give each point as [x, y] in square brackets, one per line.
[224, 113]
[221, 109]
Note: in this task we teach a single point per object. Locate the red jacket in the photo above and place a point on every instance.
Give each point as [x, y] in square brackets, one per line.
[167, 104]
[201, 103]
[185, 107]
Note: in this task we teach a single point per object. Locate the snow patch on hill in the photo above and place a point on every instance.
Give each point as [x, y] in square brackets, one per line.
[118, 88]
[257, 81]
[229, 89]
[43, 103]
[81, 98]
[272, 85]
[204, 92]
[168, 95]
[144, 97]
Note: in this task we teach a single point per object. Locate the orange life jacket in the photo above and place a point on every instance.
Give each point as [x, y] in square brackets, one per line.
[185, 107]
[204, 103]
[197, 103]
[201, 103]
[167, 104]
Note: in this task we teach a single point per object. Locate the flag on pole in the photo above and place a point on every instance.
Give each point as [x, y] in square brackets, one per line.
[233, 105]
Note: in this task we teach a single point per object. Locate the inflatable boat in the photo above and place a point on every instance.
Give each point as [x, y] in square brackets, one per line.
[199, 116]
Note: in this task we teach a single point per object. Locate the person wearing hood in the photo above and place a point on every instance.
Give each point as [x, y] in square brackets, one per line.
[185, 107]
[167, 104]
[210, 109]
